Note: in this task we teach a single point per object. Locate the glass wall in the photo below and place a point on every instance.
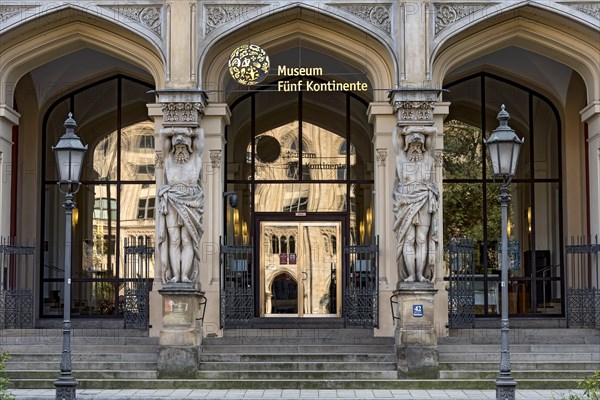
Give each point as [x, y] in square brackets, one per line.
[116, 200]
[534, 226]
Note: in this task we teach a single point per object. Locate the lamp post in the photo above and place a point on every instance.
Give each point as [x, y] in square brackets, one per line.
[503, 146]
[69, 153]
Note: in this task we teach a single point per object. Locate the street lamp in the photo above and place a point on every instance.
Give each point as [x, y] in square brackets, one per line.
[504, 145]
[69, 153]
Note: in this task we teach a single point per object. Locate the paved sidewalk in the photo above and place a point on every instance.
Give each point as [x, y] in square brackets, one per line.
[288, 394]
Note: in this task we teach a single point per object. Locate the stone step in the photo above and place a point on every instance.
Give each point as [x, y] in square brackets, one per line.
[104, 357]
[516, 374]
[520, 365]
[293, 348]
[322, 333]
[295, 357]
[297, 366]
[78, 340]
[80, 365]
[482, 384]
[523, 336]
[543, 357]
[520, 348]
[93, 332]
[138, 375]
[270, 341]
[81, 348]
[297, 375]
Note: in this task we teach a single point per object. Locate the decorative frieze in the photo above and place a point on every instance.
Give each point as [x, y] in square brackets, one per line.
[414, 111]
[180, 113]
[448, 14]
[381, 157]
[159, 161]
[148, 16]
[591, 8]
[378, 15]
[217, 15]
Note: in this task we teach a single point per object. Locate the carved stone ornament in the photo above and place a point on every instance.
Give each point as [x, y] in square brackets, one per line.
[448, 14]
[375, 14]
[414, 111]
[9, 11]
[148, 16]
[381, 157]
[215, 158]
[159, 161]
[217, 15]
[591, 8]
[187, 114]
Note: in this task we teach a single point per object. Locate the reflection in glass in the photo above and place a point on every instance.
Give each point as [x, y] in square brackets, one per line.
[300, 197]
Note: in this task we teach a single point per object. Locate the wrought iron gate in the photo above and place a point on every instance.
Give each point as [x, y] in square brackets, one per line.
[237, 284]
[361, 285]
[461, 290]
[16, 285]
[583, 282]
[137, 281]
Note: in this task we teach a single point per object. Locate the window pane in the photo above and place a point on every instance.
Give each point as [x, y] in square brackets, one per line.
[361, 147]
[54, 130]
[238, 139]
[463, 148]
[137, 160]
[361, 214]
[545, 128]
[290, 197]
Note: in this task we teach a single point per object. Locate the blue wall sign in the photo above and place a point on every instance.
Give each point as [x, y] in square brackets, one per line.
[417, 310]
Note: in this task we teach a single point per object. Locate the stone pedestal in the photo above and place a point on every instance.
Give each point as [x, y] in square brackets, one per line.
[416, 339]
[181, 335]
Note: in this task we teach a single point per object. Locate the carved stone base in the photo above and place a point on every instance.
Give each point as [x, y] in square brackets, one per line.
[416, 339]
[180, 338]
[505, 388]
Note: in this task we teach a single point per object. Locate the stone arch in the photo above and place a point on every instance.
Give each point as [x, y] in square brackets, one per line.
[274, 31]
[528, 27]
[52, 41]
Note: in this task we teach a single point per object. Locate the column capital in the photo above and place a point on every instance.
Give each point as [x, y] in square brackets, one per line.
[590, 111]
[9, 114]
[182, 107]
[414, 106]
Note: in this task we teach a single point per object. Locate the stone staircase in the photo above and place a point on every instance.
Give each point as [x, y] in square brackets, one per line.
[302, 359]
[99, 356]
[540, 358]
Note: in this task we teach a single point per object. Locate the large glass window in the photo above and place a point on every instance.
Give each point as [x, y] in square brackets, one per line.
[471, 205]
[116, 199]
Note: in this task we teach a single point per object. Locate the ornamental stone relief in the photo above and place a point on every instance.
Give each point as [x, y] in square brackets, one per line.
[590, 8]
[148, 16]
[7, 12]
[182, 113]
[377, 15]
[159, 161]
[217, 15]
[448, 14]
[215, 158]
[381, 157]
[414, 111]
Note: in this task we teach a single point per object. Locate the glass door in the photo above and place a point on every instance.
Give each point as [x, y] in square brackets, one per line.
[299, 269]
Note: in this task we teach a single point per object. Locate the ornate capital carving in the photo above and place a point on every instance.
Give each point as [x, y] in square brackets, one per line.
[182, 113]
[381, 157]
[215, 158]
[448, 14]
[414, 111]
[377, 15]
[217, 15]
[148, 16]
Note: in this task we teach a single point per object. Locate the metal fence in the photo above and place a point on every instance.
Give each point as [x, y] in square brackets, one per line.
[16, 284]
[361, 285]
[583, 282]
[461, 287]
[139, 257]
[237, 284]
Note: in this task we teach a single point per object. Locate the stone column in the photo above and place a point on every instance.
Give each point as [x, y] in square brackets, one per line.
[416, 209]
[591, 116]
[180, 225]
[8, 119]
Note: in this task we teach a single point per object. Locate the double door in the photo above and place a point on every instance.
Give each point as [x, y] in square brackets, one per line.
[300, 269]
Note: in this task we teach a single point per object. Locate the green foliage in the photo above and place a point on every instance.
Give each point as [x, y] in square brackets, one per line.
[5, 394]
[590, 387]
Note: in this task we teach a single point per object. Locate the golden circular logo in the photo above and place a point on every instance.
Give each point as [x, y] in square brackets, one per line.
[249, 64]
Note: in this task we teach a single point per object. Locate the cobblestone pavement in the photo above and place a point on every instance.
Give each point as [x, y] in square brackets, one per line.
[188, 394]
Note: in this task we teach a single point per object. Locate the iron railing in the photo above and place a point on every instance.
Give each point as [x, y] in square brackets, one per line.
[237, 284]
[138, 259]
[16, 284]
[461, 286]
[583, 282]
[361, 285]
